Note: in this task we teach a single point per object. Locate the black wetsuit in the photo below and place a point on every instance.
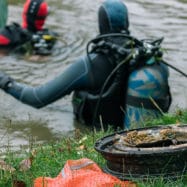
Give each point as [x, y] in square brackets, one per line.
[81, 75]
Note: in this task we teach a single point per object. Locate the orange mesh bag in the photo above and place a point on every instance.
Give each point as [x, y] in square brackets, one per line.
[82, 173]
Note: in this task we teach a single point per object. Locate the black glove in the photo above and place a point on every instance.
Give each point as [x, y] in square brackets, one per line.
[4, 80]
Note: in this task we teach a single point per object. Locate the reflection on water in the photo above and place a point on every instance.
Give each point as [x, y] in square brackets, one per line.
[25, 131]
[76, 23]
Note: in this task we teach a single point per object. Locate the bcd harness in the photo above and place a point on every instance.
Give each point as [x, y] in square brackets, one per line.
[40, 43]
[128, 54]
[23, 41]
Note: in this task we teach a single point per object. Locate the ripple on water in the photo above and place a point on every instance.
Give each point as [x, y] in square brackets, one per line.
[76, 23]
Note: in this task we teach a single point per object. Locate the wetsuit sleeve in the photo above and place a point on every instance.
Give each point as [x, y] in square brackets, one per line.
[75, 77]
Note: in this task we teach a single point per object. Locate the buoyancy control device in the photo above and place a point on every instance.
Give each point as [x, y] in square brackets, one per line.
[140, 87]
[40, 43]
[16, 39]
[43, 41]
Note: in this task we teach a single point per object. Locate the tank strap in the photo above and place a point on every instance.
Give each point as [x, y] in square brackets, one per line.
[163, 103]
[33, 10]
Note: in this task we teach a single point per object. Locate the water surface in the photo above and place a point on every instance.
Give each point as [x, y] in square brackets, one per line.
[76, 22]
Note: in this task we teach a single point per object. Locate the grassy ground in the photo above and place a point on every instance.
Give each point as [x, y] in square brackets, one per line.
[49, 159]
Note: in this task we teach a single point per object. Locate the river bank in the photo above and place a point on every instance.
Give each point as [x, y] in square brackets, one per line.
[22, 167]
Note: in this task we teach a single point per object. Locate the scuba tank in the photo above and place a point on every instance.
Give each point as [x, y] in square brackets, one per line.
[147, 95]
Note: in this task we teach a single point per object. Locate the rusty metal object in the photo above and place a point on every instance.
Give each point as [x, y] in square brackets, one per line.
[164, 155]
[165, 136]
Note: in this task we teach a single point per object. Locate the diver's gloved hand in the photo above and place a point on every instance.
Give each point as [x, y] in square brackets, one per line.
[5, 80]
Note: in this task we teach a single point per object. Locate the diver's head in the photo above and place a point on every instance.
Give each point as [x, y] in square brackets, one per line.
[34, 15]
[113, 17]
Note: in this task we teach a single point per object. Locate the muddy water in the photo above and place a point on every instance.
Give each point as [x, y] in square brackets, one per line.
[76, 22]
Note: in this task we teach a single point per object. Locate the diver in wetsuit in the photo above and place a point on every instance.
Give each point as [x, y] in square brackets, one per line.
[87, 75]
[32, 30]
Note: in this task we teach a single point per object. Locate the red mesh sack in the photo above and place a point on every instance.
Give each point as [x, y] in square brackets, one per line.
[82, 173]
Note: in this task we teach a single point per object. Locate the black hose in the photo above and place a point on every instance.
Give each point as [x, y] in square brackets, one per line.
[176, 69]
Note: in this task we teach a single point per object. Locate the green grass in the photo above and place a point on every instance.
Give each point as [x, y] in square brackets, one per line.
[49, 159]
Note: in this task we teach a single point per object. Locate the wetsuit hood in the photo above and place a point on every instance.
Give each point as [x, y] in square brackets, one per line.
[113, 17]
[34, 15]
